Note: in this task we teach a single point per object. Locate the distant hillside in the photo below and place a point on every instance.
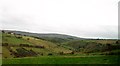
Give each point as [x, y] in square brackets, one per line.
[89, 46]
[25, 44]
[14, 46]
[56, 38]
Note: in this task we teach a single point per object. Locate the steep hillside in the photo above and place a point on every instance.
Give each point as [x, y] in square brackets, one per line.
[90, 46]
[24, 49]
[56, 38]
[21, 45]
[24, 46]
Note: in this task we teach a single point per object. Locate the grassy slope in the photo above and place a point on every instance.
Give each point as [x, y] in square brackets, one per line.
[6, 53]
[77, 44]
[102, 41]
[11, 39]
[49, 46]
[64, 60]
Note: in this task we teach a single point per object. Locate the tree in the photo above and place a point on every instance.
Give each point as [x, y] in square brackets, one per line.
[72, 52]
[61, 53]
[108, 47]
[3, 31]
[28, 38]
[50, 54]
[118, 42]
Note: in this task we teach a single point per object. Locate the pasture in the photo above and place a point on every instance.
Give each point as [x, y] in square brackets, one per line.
[19, 49]
[83, 59]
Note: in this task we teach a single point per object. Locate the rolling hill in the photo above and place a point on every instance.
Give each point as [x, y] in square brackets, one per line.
[57, 38]
[14, 45]
[18, 46]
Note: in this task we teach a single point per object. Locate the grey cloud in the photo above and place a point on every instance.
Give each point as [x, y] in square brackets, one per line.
[12, 19]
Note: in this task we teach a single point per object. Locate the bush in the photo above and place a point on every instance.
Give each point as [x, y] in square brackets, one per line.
[19, 37]
[22, 52]
[39, 47]
[112, 53]
[28, 38]
[50, 54]
[42, 54]
[24, 45]
[4, 44]
[3, 31]
[72, 52]
[61, 53]
[118, 42]
[5, 57]
[31, 46]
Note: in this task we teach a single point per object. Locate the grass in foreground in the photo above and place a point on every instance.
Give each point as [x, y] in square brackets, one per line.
[64, 60]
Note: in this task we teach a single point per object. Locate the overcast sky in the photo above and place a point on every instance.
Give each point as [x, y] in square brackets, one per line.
[82, 18]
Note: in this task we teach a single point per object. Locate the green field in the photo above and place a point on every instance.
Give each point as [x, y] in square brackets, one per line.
[64, 60]
[19, 49]
[6, 38]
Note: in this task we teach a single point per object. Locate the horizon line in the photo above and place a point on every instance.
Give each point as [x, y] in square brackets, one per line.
[57, 33]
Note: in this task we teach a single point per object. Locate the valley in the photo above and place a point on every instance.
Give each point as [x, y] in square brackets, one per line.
[23, 48]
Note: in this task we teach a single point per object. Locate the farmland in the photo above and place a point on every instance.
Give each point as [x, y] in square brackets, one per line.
[64, 60]
[26, 48]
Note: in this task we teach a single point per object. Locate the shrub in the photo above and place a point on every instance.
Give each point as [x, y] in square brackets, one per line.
[61, 53]
[5, 57]
[9, 32]
[42, 54]
[118, 42]
[50, 54]
[3, 31]
[19, 37]
[24, 35]
[22, 52]
[72, 52]
[24, 45]
[31, 46]
[4, 44]
[8, 36]
[28, 38]
[39, 47]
